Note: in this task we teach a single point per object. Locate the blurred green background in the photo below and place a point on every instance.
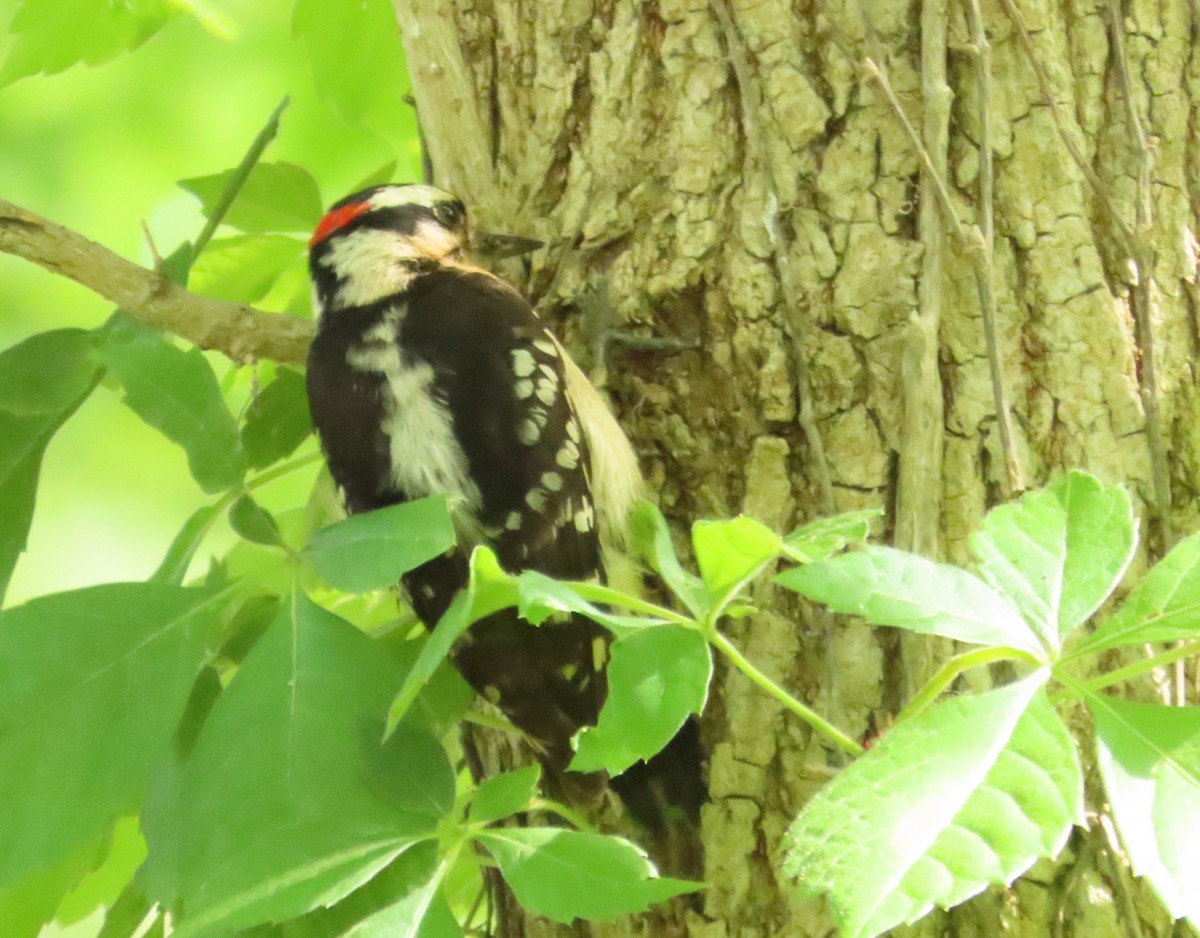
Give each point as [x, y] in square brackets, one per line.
[101, 148]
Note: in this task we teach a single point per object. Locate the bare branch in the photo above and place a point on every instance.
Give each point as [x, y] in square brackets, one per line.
[795, 324]
[240, 332]
[1143, 292]
[1043, 80]
[974, 245]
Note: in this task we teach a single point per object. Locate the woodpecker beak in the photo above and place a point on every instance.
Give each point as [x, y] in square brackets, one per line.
[499, 246]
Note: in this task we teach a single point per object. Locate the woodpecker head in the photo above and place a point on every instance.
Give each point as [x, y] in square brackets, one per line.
[371, 244]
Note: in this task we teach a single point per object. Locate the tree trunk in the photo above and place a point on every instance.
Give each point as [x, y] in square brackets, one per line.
[734, 177]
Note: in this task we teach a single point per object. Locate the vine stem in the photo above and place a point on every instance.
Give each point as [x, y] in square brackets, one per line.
[950, 671]
[1145, 666]
[975, 248]
[813, 719]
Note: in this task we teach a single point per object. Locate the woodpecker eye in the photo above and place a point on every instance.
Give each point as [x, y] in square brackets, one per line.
[449, 214]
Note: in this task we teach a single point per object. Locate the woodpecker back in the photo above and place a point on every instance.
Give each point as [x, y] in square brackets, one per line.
[429, 375]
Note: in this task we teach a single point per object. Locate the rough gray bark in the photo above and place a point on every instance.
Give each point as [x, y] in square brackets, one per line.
[732, 176]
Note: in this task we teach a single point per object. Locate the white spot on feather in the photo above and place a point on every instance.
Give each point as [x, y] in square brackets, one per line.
[528, 432]
[567, 456]
[523, 363]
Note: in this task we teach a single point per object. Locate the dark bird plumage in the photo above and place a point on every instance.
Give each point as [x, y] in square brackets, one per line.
[429, 375]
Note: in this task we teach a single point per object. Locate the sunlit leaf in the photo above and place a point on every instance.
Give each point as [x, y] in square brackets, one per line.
[1149, 758]
[729, 553]
[970, 792]
[1164, 606]
[657, 678]
[818, 539]
[891, 587]
[1101, 540]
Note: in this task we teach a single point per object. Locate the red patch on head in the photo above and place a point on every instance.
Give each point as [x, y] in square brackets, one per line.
[335, 219]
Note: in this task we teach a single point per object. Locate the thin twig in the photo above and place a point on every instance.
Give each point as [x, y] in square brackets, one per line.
[1060, 123]
[238, 331]
[795, 324]
[1133, 241]
[1143, 310]
[919, 477]
[982, 54]
[238, 179]
[972, 242]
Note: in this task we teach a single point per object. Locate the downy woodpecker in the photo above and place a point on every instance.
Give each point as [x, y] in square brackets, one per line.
[430, 375]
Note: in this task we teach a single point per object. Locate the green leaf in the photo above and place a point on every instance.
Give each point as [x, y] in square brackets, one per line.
[541, 596]
[502, 795]
[370, 551]
[277, 420]
[43, 381]
[970, 792]
[1101, 541]
[1058, 553]
[251, 521]
[489, 589]
[1022, 549]
[891, 587]
[25, 441]
[53, 35]
[826, 536]
[1164, 606]
[101, 887]
[652, 540]
[126, 914]
[316, 805]
[1149, 758]
[565, 875]
[179, 556]
[29, 902]
[243, 269]
[47, 372]
[657, 677]
[422, 912]
[731, 553]
[356, 55]
[275, 197]
[92, 683]
[176, 392]
[444, 698]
